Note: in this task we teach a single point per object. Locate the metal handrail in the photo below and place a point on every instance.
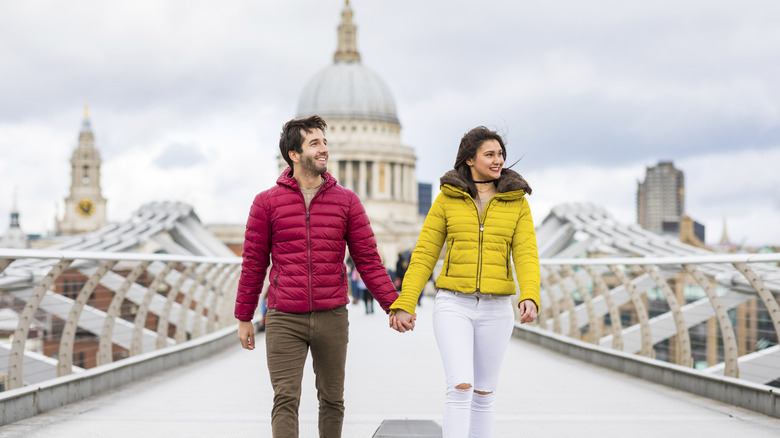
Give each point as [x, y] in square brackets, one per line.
[206, 286]
[37, 285]
[6, 253]
[728, 282]
[671, 260]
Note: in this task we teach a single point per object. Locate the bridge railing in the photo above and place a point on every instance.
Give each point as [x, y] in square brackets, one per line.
[65, 311]
[718, 313]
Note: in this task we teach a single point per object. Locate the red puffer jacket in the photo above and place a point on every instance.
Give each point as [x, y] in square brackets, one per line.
[308, 250]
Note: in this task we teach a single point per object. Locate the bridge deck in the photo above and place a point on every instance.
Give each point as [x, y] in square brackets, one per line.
[396, 376]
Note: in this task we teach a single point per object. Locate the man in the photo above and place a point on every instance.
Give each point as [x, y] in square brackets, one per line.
[304, 225]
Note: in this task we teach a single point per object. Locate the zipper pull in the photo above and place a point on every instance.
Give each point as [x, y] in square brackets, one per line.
[481, 226]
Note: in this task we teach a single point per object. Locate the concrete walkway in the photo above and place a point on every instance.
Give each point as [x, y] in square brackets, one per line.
[396, 376]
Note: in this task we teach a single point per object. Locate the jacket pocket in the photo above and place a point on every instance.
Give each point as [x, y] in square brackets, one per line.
[508, 261]
[449, 256]
[273, 290]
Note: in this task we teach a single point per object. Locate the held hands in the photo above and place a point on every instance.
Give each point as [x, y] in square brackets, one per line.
[527, 311]
[402, 320]
[246, 334]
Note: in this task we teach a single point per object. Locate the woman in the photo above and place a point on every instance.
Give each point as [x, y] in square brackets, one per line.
[484, 218]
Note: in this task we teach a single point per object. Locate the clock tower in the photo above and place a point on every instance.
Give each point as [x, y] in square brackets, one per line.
[85, 208]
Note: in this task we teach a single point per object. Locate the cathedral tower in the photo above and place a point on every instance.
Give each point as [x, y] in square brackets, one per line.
[364, 142]
[85, 208]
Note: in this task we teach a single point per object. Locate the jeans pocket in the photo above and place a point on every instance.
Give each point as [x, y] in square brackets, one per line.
[444, 295]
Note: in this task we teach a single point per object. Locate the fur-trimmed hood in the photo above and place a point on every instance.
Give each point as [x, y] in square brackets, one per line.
[509, 181]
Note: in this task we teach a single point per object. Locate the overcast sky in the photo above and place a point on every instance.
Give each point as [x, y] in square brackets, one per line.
[187, 98]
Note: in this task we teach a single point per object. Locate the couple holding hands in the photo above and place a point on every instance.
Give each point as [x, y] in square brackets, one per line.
[306, 222]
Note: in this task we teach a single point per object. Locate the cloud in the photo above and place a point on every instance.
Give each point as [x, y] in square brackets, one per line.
[736, 187]
[179, 155]
[588, 93]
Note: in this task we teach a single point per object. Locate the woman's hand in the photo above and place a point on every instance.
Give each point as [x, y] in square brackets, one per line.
[402, 320]
[527, 311]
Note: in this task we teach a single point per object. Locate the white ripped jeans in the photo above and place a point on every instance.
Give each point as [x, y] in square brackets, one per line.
[472, 332]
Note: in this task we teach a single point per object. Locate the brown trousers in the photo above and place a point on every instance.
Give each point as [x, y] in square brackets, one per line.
[288, 338]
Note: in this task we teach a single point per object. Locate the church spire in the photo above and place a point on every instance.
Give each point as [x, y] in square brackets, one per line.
[724, 239]
[347, 48]
[15, 211]
[14, 237]
[86, 136]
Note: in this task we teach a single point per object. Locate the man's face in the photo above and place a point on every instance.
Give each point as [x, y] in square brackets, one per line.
[313, 158]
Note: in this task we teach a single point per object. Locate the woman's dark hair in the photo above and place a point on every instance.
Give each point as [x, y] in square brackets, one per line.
[467, 150]
[292, 139]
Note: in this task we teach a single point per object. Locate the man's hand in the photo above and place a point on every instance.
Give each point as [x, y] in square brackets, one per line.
[402, 320]
[246, 334]
[527, 311]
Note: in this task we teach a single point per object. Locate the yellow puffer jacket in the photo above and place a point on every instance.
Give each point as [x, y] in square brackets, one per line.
[478, 248]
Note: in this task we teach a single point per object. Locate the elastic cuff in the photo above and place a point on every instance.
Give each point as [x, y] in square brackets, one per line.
[407, 309]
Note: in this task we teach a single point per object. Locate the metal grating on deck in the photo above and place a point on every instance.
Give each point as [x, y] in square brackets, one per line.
[408, 429]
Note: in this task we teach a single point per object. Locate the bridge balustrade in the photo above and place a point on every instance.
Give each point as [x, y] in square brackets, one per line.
[717, 313]
[74, 310]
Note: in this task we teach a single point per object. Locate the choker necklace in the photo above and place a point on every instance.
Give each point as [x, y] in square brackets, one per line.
[484, 182]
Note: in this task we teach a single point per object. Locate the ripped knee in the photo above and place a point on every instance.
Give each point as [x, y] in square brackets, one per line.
[463, 387]
[483, 401]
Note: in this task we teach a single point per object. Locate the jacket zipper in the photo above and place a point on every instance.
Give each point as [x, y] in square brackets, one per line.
[479, 255]
[308, 246]
[308, 241]
[308, 255]
[479, 247]
[479, 244]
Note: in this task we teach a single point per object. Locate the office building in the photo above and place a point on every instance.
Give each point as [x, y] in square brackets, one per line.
[660, 198]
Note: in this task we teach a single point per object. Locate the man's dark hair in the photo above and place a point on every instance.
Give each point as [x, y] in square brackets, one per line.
[292, 139]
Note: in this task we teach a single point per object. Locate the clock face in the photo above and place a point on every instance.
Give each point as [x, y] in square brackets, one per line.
[85, 207]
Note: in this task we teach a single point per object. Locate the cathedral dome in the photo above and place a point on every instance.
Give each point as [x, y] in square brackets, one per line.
[348, 90]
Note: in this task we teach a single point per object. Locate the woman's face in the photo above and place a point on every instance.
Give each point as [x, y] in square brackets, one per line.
[487, 164]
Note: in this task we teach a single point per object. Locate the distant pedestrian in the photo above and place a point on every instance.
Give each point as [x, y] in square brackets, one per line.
[362, 293]
[357, 286]
[368, 301]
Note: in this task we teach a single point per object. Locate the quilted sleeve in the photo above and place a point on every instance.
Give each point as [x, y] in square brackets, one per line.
[256, 258]
[424, 257]
[363, 250]
[526, 255]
